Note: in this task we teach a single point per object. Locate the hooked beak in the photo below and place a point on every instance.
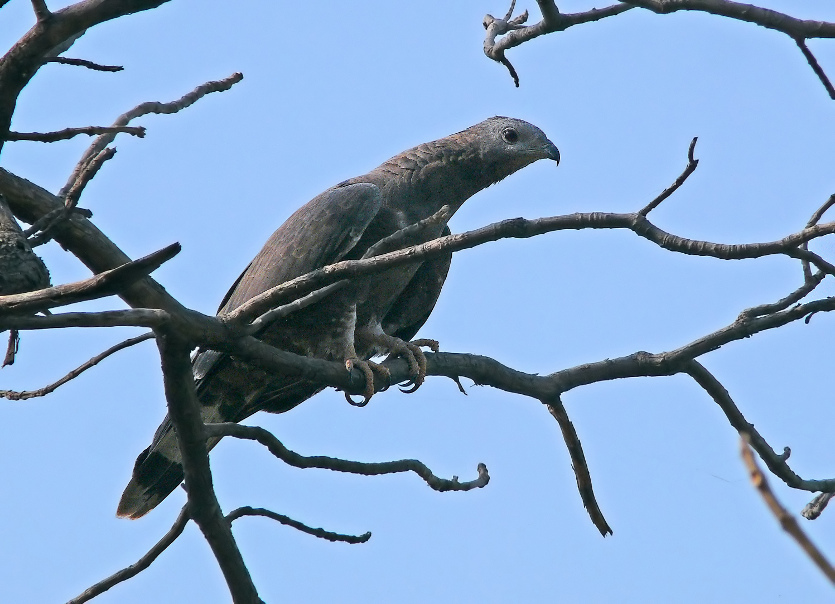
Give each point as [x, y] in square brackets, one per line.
[551, 152]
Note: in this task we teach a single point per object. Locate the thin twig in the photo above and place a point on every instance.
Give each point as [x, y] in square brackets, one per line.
[813, 63]
[777, 463]
[786, 520]
[83, 63]
[137, 567]
[13, 395]
[143, 109]
[515, 33]
[296, 305]
[11, 348]
[67, 133]
[815, 218]
[796, 296]
[692, 164]
[316, 532]
[579, 465]
[292, 458]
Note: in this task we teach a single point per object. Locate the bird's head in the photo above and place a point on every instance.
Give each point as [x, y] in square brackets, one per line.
[506, 144]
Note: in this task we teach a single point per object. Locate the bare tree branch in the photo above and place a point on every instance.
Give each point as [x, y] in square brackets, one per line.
[23, 60]
[83, 63]
[30, 202]
[286, 520]
[289, 457]
[782, 304]
[521, 228]
[771, 19]
[552, 21]
[13, 395]
[98, 286]
[203, 507]
[67, 133]
[786, 520]
[515, 33]
[135, 317]
[143, 109]
[177, 529]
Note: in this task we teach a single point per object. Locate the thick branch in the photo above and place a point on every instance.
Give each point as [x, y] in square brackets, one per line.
[136, 317]
[521, 228]
[29, 202]
[184, 411]
[98, 286]
[771, 19]
[579, 465]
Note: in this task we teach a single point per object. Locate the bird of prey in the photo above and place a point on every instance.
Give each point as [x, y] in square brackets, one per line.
[405, 201]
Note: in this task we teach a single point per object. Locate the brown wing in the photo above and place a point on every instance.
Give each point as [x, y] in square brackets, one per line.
[413, 307]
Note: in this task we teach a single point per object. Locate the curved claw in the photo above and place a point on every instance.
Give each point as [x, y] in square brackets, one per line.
[369, 381]
[414, 387]
[351, 401]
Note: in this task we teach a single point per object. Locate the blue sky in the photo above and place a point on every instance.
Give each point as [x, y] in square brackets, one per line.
[331, 90]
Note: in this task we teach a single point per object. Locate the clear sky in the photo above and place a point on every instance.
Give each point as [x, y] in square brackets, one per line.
[331, 90]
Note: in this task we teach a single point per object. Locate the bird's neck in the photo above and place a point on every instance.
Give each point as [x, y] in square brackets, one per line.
[423, 176]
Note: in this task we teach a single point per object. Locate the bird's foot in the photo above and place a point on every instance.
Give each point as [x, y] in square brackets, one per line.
[413, 354]
[368, 368]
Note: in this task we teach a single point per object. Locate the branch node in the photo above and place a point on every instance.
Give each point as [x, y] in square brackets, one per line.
[815, 508]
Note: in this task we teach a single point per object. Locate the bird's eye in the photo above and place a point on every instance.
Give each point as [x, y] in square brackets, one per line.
[510, 135]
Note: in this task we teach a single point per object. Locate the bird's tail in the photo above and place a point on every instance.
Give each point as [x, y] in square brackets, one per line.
[157, 472]
[231, 394]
